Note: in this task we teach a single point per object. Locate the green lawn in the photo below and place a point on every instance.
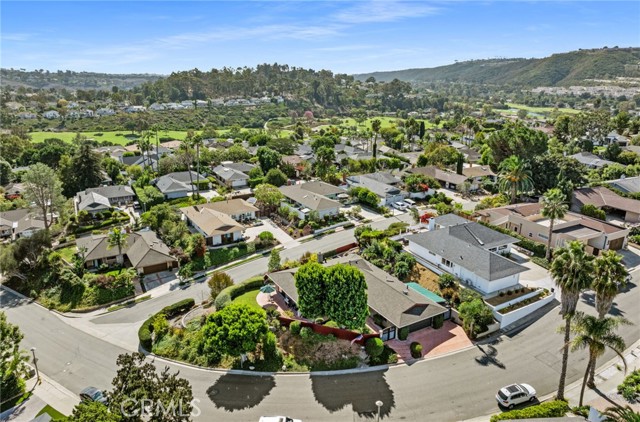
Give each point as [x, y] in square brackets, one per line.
[67, 253]
[542, 110]
[384, 121]
[248, 298]
[121, 138]
[55, 415]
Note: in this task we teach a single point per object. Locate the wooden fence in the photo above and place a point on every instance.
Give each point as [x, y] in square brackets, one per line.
[324, 330]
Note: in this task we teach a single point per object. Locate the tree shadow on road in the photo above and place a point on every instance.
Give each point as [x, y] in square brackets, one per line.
[361, 391]
[237, 392]
[589, 299]
[489, 357]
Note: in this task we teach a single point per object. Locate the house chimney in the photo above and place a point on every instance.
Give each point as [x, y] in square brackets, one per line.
[406, 289]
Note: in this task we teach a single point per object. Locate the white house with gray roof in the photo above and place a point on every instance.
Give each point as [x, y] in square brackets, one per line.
[303, 201]
[471, 252]
[233, 175]
[178, 184]
[388, 194]
[95, 200]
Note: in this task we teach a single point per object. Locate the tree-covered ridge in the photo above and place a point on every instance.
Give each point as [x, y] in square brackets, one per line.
[575, 67]
[67, 79]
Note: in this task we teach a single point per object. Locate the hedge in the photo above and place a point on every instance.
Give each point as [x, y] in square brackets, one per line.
[99, 225]
[227, 295]
[403, 333]
[374, 346]
[438, 321]
[552, 409]
[145, 330]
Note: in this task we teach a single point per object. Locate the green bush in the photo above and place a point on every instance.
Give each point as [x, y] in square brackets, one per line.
[374, 346]
[145, 330]
[270, 347]
[144, 334]
[630, 387]
[178, 307]
[331, 324]
[541, 261]
[552, 409]
[306, 332]
[387, 357]
[416, 350]
[592, 211]
[403, 333]
[295, 327]
[438, 321]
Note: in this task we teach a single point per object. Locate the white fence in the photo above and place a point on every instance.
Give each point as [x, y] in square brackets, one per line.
[511, 317]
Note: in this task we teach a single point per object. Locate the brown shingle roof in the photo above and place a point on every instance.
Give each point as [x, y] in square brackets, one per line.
[603, 197]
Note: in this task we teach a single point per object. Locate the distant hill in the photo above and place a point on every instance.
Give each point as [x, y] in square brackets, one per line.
[73, 80]
[573, 68]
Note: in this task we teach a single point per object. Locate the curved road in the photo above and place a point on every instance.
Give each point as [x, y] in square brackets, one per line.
[450, 388]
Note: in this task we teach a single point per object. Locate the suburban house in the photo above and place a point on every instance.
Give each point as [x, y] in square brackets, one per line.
[238, 209]
[217, 227]
[144, 251]
[397, 305]
[590, 160]
[178, 184]
[626, 184]
[296, 162]
[233, 175]
[143, 160]
[476, 174]
[528, 221]
[19, 223]
[448, 179]
[607, 200]
[614, 137]
[95, 200]
[325, 189]
[303, 199]
[471, 252]
[387, 194]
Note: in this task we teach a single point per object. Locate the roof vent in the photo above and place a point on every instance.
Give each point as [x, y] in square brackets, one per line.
[406, 289]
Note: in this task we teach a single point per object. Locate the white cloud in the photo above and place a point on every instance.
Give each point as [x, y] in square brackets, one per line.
[17, 36]
[383, 11]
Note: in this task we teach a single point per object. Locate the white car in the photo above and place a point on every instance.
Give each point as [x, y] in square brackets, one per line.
[277, 419]
[400, 206]
[514, 394]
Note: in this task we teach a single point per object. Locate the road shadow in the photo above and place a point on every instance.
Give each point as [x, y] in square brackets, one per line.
[361, 391]
[237, 392]
[489, 356]
[10, 300]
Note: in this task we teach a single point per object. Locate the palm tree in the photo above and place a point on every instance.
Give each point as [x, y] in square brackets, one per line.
[596, 334]
[621, 414]
[608, 275]
[197, 142]
[515, 176]
[571, 270]
[553, 207]
[155, 129]
[117, 239]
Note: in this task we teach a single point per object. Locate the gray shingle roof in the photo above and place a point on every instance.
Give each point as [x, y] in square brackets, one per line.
[449, 220]
[463, 249]
[590, 159]
[313, 201]
[227, 173]
[381, 189]
[322, 188]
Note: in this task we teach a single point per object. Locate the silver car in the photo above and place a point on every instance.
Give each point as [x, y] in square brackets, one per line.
[514, 394]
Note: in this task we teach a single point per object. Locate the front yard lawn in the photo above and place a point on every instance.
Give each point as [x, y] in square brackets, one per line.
[68, 253]
[55, 415]
[248, 298]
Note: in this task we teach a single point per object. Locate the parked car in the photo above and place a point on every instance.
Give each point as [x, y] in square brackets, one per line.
[136, 205]
[277, 419]
[514, 394]
[90, 394]
[400, 205]
[410, 202]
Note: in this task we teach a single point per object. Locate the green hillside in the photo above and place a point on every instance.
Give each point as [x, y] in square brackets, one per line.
[557, 70]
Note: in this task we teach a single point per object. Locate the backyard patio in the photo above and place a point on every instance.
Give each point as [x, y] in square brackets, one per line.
[450, 338]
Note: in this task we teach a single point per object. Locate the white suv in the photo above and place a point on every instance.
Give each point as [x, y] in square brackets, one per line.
[400, 206]
[514, 394]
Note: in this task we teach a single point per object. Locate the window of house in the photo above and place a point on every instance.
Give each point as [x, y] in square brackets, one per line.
[431, 253]
[543, 236]
[447, 263]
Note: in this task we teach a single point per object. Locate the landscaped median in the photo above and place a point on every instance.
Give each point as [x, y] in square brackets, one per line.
[552, 409]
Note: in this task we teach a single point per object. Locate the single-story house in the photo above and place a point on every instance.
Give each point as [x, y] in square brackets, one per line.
[590, 160]
[608, 201]
[303, 201]
[217, 227]
[471, 252]
[397, 304]
[384, 177]
[238, 209]
[626, 184]
[613, 136]
[528, 221]
[447, 179]
[144, 251]
[475, 175]
[95, 200]
[143, 160]
[231, 177]
[178, 184]
[325, 189]
[386, 193]
[19, 223]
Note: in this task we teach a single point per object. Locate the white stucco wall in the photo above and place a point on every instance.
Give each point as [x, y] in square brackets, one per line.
[174, 195]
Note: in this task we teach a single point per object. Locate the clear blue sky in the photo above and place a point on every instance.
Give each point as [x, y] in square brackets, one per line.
[342, 36]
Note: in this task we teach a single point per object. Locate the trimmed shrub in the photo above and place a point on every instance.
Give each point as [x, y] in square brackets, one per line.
[269, 346]
[630, 387]
[178, 307]
[403, 333]
[438, 321]
[295, 327]
[416, 350]
[387, 357]
[227, 295]
[144, 334]
[146, 329]
[305, 332]
[552, 409]
[331, 324]
[374, 346]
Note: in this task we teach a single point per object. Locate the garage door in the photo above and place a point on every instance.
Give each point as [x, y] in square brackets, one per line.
[155, 268]
[615, 245]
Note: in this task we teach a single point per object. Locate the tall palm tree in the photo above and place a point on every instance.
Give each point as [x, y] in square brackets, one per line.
[608, 276]
[515, 176]
[571, 270]
[621, 414]
[117, 239]
[197, 142]
[596, 334]
[553, 207]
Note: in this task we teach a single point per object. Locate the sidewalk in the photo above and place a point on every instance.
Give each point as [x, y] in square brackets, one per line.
[48, 392]
[608, 377]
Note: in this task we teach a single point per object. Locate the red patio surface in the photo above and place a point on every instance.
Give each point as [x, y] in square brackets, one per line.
[449, 338]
